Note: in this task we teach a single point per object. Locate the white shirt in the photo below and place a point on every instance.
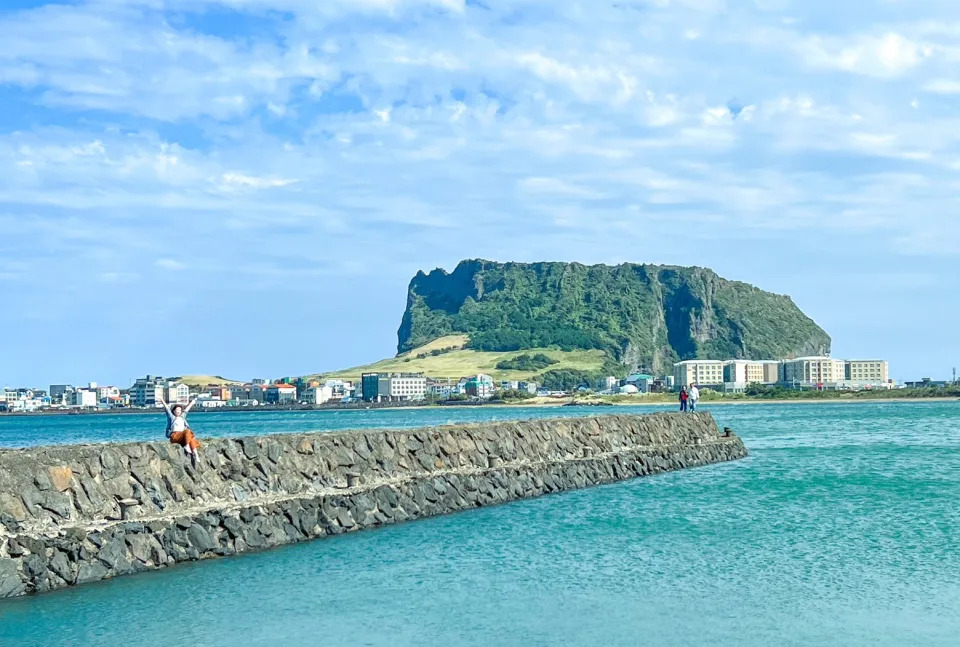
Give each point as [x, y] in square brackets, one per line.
[178, 423]
[694, 394]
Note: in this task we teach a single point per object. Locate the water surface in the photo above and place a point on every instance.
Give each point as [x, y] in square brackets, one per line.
[840, 529]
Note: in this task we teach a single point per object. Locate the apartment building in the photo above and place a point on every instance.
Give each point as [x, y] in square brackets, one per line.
[281, 394]
[147, 391]
[814, 371]
[704, 372]
[398, 387]
[746, 371]
[178, 393]
[868, 371]
[479, 386]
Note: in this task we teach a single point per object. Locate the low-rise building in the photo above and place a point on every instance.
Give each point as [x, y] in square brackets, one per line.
[480, 386]
[440, 388]
[85, 398]
[642, 381]
[317, 394]
[61, 393]
[400, 387]
[178, 393]
[529, 387]
[281, 394]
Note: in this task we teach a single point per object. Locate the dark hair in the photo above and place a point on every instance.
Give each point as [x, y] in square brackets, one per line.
[176, 406]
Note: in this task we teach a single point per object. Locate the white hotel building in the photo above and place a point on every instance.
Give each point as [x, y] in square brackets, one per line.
[804, 373]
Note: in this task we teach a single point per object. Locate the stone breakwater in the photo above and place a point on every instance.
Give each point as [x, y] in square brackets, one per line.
[82, 513]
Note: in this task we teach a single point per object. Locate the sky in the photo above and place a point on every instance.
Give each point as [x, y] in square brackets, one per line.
[246, 187]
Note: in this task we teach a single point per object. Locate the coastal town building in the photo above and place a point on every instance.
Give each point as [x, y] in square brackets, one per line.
[85, 398]
[393, 387]
[738, 374]
[61, 393]
[316, 394]
[820, 372]
[177, 393]
[814, 371]
[400, 387]
[440, 388]
[705, 372]
[480, 386]
[147, 391]
[868, 371]
[370, 387]
[281, 394]
[642, 381]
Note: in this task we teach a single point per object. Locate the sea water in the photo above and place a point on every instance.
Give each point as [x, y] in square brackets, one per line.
[841, 528]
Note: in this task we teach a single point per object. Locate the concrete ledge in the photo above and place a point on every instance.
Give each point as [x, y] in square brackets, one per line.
[298, 494]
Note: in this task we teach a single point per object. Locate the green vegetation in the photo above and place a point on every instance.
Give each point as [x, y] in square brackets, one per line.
[525, 362]
[569, 380]
[512, 395]
[463, 362]
[638, 315]
[437, 351]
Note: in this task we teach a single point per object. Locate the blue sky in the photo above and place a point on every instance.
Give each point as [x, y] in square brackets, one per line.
[245, 187]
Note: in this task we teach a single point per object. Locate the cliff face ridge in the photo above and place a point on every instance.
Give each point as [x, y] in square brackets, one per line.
[642, 315]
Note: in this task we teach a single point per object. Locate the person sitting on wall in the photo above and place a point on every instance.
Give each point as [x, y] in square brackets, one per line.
[683, 398]
[179, 432]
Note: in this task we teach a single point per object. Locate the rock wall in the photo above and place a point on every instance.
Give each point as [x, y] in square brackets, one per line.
[82, 513]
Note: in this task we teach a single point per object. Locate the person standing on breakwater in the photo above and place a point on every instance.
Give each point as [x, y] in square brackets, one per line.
[683, 398]
[694, 396]
[179, 432]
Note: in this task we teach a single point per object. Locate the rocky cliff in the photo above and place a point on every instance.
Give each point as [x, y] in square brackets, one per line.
[642, 315]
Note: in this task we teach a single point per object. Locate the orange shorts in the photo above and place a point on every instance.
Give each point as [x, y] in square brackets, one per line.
[185, 438]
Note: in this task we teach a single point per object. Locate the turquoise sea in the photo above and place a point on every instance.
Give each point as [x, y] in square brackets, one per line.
[841, 528]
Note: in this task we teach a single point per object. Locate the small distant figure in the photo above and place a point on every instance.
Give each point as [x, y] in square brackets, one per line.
[179, 432]
[683, 398]
[694, 396]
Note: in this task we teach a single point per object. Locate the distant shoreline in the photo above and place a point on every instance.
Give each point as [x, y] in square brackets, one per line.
[502, 405]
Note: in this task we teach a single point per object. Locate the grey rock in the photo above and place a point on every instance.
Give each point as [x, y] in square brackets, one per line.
[10, 582]
[113, 553]
[60, 565]
[274, 452]
[200, 538]
[91, 572]
[250, 447]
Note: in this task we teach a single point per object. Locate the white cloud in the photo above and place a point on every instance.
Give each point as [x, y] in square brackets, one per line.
[886, 55]
[942, 86]
[169, 264]
[247, 181]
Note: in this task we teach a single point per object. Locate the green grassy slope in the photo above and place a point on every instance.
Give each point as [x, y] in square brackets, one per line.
[463, 362]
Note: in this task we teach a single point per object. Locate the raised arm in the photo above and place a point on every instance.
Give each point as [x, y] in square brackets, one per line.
[166, 406]
[189, 406]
